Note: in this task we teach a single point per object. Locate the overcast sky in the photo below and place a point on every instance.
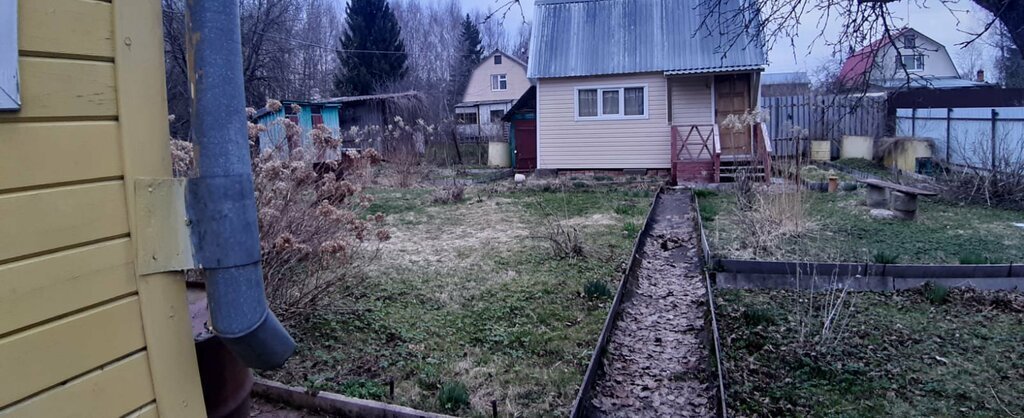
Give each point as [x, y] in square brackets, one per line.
[934, 21]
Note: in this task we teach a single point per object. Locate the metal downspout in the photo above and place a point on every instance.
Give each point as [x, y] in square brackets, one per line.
[221, 200]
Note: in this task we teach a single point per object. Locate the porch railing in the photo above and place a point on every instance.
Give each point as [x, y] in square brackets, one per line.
[696, 143]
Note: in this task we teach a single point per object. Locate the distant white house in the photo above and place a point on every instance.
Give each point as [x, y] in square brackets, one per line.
[640, 85]
[493, 86]
[906, 58]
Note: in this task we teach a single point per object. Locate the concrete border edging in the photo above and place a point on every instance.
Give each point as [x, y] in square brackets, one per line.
[716, 340]
[333, 403]
[754, 274]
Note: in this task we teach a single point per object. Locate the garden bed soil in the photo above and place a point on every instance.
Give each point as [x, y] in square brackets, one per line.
[921, 352]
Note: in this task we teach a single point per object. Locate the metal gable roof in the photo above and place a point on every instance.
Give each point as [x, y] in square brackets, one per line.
[593, 37]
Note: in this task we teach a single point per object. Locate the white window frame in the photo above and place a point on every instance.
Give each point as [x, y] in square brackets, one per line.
[497, 79]
[916, 59]
[600, 103]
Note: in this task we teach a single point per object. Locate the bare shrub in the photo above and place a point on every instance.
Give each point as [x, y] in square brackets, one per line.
[452, 193]
[772, 218]
[403, 146]
[985, 176]
[316, 238]
[566, 241]
[825, 307]
[181, 158]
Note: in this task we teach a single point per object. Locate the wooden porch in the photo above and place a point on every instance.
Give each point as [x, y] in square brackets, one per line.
[698, 157]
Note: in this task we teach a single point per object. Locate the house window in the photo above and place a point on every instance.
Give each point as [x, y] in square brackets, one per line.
[612, 103]
[911, 62]
[910, 40]
[466, 118]
[497, 60]
[499, 82]
[496, 115]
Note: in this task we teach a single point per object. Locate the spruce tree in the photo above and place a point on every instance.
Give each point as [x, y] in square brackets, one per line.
[372, 53]
[470, 52]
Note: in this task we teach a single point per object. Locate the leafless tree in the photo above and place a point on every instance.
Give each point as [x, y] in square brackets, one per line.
[859, 21]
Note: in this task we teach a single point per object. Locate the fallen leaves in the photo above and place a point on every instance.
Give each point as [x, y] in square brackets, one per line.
[656, 361]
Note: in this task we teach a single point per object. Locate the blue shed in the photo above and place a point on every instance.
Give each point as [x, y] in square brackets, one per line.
[338, 114]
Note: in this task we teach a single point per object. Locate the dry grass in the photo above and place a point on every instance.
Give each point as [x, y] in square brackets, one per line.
[772, 218]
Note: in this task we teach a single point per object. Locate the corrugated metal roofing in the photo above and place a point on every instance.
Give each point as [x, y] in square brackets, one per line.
[798, 77]
[593, 37]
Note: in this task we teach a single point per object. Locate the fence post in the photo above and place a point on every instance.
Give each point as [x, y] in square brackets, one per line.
[995, 116]
[913, 122]
[949, 127]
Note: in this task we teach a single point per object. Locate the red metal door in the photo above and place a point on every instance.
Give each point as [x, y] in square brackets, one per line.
[526, 145]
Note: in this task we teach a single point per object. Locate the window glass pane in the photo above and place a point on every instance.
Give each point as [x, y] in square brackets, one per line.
[587, 103]
[494, 81]
[503, 82]
[496, 115]
[634, 101]
[497, 59]
[919, 60]
[609, 102]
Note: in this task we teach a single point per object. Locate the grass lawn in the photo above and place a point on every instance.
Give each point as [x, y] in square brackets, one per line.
[900, 354]
[839, 228]
[465, 294]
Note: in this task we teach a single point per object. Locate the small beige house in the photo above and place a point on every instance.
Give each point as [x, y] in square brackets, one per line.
[641, 85]
[493, 86]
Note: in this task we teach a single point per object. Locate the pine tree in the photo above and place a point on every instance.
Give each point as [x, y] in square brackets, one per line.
[470, 52]
[372, 53]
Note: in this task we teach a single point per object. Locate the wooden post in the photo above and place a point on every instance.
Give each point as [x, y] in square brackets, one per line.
[995, 117]
[913, 122]
[949, 127]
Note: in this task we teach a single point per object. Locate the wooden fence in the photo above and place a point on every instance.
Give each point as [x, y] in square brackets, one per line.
[790, 118]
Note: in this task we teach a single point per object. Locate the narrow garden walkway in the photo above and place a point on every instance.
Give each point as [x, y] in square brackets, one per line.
[657, 363]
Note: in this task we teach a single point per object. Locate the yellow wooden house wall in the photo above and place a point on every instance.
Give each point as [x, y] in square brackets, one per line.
[81, 333]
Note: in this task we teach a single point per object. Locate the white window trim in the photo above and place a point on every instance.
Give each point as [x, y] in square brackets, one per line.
[913, 69]
[600, 104]
[498, 83]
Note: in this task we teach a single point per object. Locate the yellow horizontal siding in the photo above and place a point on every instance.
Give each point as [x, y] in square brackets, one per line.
[36, 154]
[44, 356]
[36, 289]
[42, 220]
[71, 27]
[65, 88]
[114, 390]
[564, 142]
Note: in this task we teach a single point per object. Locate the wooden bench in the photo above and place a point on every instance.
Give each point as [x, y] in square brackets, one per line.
[902, 200]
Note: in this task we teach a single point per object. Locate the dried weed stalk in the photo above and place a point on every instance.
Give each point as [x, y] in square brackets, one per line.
[316, 237]
[771, 219]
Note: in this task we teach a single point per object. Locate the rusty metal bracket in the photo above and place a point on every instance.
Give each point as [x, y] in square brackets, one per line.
[162, 241]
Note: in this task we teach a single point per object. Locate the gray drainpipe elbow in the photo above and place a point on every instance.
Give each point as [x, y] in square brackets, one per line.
[221, 201]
